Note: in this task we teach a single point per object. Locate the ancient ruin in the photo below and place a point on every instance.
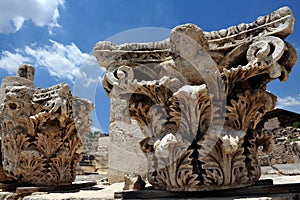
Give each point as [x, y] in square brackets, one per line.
[41, 130]
[198, 97]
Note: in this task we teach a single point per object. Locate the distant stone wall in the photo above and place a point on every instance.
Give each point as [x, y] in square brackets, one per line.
[286, 147]
[102, 154]
[98, 146]
[91, 144]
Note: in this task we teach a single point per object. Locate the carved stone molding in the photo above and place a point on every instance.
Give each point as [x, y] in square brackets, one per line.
[41, 131]
[198, 97]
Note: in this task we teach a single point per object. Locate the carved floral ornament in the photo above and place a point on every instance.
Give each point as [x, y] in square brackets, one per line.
[41, 131]
[198, 96]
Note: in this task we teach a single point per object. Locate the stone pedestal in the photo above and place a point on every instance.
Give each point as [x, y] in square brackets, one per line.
[198, 97]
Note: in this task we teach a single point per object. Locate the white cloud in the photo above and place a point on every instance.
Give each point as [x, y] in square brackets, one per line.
[13, 14]
[62, 61]
[11, 61]
[289, 103]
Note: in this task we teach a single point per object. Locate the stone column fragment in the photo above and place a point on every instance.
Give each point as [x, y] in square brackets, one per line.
[41, 130]
[198, 97]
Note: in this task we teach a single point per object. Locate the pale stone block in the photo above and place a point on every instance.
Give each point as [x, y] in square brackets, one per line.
[272, 124]
[125, 155]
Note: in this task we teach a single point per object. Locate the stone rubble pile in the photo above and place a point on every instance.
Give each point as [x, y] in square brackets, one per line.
[286, 147]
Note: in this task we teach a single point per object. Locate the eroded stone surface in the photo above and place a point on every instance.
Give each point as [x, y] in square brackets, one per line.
[198, 97]
[285, 149]
[124, 153]
[41, 130]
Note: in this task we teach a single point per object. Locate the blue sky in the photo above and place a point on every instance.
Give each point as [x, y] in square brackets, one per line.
[57, 37]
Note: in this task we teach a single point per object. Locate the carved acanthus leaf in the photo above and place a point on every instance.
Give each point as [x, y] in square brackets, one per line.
[194, 105]
[158, 118]
[48, 144]
[221, 167]
[32, 165]
[185, 176]
[40, 142]
[138, 111]
[185, 106]
[149, 104]
[175, 171]
[14, 143]
[252, 142]
[60, 170]
[254, 139]
[248, 109]
[74, 143]
[235, 76]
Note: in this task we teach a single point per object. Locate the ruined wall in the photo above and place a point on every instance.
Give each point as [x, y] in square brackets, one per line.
[286, 147]
[98, 147]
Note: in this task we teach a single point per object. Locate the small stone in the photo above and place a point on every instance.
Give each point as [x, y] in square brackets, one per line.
[26, 71]
[134, 182]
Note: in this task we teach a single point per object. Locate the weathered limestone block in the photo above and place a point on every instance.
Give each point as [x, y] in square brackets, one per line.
[102, 154]
[272, 124]
[41, 130]
[124, 154]
[198, 97]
